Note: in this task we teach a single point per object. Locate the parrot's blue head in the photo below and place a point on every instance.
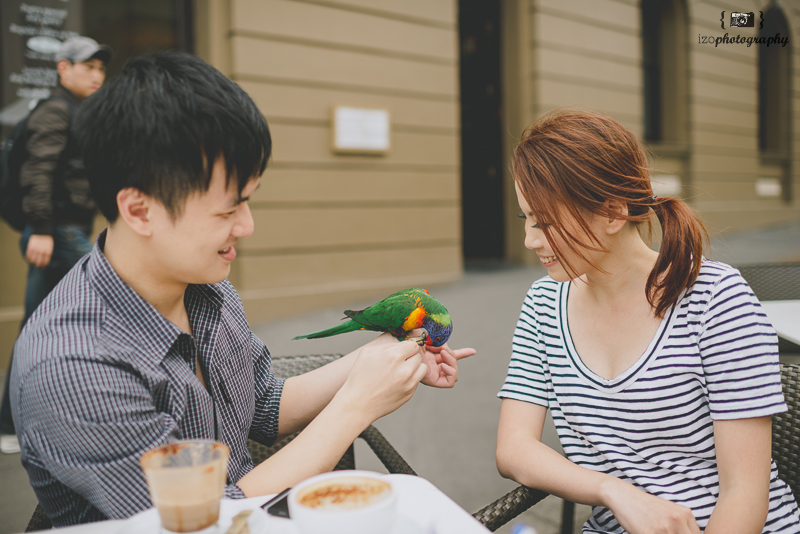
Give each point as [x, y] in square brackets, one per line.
[438, 330]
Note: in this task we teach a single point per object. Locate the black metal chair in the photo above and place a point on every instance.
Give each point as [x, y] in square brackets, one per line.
[39, 520]
[785, 452]
[285, 367]
[775, 281]
[509, 506]
[786, 429]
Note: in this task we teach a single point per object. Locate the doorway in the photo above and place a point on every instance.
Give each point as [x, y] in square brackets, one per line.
[481, 129]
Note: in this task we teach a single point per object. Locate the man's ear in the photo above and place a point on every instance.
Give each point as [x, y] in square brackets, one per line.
[62, 66]
[135, 209]
[613, 223]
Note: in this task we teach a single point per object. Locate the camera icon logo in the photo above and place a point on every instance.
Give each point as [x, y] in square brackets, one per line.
[742, 20]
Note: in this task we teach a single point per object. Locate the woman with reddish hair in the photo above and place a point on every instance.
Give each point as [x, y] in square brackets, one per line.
[660, 369]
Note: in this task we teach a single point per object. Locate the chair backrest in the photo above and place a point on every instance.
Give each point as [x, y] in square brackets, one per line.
[786, 429]
[286, 367]
[773, 281]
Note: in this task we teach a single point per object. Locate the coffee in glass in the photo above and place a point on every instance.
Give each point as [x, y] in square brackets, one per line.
[186, 481]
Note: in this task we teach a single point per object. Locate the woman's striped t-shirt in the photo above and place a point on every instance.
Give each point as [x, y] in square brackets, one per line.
[714, 357]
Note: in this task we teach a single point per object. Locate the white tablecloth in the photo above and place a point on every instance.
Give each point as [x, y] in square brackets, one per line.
[419, 503]
[785, 318]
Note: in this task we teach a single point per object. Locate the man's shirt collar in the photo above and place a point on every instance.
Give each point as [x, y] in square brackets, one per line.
[142, 320]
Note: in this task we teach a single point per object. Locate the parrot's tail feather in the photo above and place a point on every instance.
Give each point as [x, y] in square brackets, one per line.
[349, 326]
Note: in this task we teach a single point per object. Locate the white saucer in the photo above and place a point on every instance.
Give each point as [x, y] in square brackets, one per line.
[147, 522]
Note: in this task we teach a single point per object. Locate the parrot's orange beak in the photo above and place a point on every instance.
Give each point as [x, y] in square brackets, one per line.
[428, 341]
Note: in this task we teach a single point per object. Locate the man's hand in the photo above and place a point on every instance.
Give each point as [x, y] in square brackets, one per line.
[383, 378]
[40, 250]
[442, 363]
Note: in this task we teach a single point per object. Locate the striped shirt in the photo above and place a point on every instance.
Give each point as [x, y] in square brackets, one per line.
[714, 357]
[100, 377]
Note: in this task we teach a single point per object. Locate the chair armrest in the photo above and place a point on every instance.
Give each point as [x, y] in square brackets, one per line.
[380, 446]
[288, 366]
[509, 506]
[387, 454]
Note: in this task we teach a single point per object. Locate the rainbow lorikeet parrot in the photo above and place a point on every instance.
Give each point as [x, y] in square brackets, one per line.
[398, 314]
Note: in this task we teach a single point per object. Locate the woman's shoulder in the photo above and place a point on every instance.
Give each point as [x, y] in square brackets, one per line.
[543, 291]
[716, 273]
[545, 285]
[716, 278]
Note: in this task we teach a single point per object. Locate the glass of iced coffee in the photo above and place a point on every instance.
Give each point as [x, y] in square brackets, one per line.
[186, 481]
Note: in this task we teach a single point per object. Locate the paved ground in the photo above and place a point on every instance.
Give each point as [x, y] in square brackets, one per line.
[447, 436]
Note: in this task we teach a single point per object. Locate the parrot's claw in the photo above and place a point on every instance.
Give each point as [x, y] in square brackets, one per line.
[420, 340]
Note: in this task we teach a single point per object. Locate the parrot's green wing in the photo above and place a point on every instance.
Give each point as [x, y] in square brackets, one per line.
[390, 313]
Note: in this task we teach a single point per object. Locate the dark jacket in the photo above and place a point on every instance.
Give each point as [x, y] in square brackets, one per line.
[53, 180]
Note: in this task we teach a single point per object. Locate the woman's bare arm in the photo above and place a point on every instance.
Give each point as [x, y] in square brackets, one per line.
[523, 457]
[744, 450]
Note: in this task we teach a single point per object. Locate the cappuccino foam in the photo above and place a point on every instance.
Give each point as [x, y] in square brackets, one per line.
[345, 493]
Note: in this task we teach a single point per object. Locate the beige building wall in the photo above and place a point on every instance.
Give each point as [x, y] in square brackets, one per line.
[726, 161]
[12, 292]
[582, 54]
[588, 54]
[331, 227]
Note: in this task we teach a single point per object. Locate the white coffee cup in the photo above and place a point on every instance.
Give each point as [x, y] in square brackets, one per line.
[343, 502]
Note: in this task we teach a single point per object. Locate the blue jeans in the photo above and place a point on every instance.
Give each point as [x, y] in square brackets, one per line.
[70, 243]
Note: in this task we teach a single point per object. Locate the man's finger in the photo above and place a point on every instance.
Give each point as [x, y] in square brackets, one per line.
[413, 360]
[402, 350]
[39, 261]
[422, 372]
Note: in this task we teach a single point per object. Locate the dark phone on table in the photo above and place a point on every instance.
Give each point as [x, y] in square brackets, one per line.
[277, 505]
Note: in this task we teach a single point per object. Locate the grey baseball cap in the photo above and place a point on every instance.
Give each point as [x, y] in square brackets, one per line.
[78, 49]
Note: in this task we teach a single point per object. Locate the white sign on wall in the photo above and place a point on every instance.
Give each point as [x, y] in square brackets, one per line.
[666, 185]
[768, 187]
[31, 32]
[361, 130]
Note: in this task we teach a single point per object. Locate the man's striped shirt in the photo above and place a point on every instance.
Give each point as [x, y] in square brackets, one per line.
[714, 357]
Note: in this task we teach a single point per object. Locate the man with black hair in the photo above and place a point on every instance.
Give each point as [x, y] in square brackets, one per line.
[58, 208]
[145, 341]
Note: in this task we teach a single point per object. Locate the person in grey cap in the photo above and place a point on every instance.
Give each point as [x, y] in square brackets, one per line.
[58, 206]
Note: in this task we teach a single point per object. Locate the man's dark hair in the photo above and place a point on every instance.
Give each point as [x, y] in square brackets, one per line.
[160, 126]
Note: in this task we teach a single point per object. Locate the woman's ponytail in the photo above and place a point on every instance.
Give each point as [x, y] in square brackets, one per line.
[684, 240]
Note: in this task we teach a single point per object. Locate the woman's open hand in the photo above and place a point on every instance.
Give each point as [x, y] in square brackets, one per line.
[442, 364]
